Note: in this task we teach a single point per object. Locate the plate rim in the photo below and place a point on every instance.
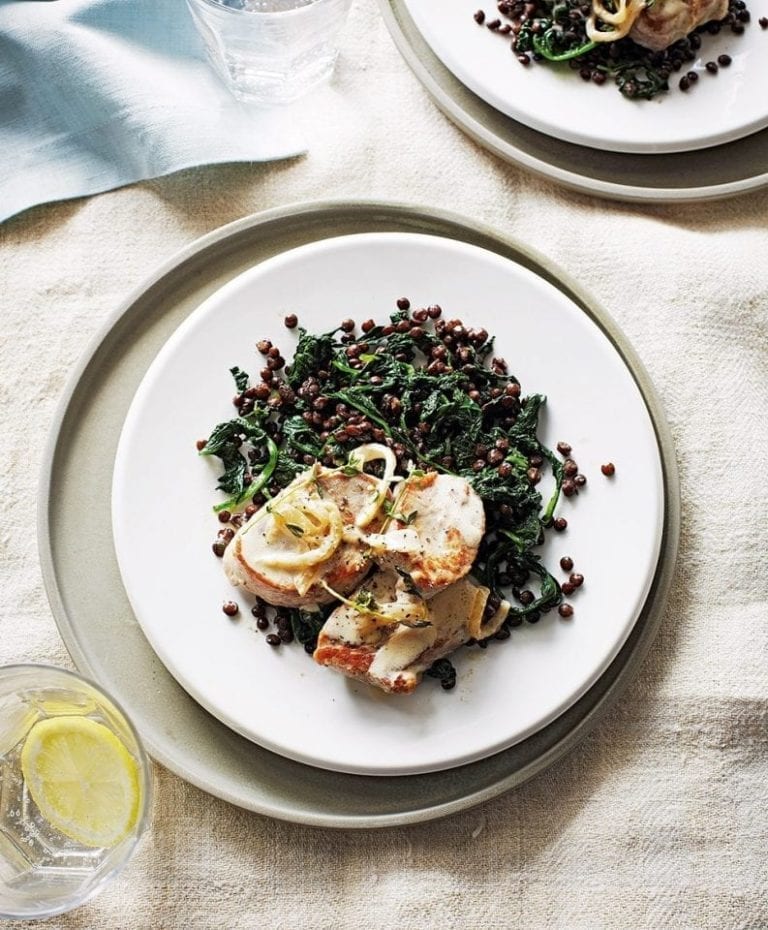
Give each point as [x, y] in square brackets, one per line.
[400, 27]
[426, 219]
[506, 105]
[195, 679]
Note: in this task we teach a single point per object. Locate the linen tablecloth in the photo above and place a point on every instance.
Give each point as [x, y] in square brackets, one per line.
[659, 819]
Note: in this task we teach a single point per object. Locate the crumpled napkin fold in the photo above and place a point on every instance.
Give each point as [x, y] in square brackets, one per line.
[95, 94]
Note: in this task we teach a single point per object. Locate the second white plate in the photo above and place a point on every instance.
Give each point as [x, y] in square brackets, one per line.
[163, 524]
[555, 101]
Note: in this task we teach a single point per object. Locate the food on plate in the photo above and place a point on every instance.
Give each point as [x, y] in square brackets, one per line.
[437, 522]
[665, 22]
[383, 496]
[363, 639]
[636, 44]
[654, 25]
[327, 527]
[305, 536]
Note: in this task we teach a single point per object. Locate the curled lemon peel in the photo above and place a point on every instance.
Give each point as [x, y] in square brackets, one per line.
[327, 530]
[622, 19]
[371, 452]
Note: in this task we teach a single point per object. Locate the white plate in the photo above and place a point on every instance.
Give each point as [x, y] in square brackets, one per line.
[555, 100]
[163, 524]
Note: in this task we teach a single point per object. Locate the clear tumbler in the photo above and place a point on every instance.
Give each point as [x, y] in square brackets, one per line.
[61, 739]
[271, 51]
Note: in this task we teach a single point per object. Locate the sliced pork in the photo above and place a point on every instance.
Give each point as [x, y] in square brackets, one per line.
[389, 637]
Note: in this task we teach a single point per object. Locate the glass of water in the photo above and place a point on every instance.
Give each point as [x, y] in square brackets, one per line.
[271, 51]
[75, 789]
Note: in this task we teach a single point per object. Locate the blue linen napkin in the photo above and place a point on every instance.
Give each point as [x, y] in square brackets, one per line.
[95, 94]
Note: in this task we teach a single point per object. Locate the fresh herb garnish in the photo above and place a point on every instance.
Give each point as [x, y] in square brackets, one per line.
[390, 509]
[365, 601]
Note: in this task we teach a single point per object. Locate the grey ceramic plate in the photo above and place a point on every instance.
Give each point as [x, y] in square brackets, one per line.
[707, 174]
[91, 607]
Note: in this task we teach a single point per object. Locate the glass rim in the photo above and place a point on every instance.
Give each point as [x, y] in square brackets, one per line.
[130, 843]
[234, 11]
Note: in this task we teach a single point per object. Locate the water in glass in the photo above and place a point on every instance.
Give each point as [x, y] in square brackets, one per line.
[42, 870]
[271, 51]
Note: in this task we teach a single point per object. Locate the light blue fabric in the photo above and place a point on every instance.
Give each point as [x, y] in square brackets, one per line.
[95, 94]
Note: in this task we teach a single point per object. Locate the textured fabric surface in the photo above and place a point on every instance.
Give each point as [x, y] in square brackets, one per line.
[659, 819]
[99, 93]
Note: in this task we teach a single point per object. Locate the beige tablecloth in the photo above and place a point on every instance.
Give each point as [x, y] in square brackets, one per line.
[660, 818]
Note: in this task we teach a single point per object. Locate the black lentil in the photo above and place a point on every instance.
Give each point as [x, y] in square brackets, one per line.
[534, 475]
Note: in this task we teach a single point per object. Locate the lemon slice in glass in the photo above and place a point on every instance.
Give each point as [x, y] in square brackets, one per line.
[83, 780]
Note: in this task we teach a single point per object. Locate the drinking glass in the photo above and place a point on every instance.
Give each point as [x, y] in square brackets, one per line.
[42, 870]
[270, 51]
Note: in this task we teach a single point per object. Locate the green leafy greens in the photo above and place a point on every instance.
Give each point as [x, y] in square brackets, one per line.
[434, 396]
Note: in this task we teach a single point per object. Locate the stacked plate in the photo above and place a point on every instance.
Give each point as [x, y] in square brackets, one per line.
[710, 142]
[126, 523]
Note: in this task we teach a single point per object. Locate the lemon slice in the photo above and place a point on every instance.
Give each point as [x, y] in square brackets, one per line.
[83, 780]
